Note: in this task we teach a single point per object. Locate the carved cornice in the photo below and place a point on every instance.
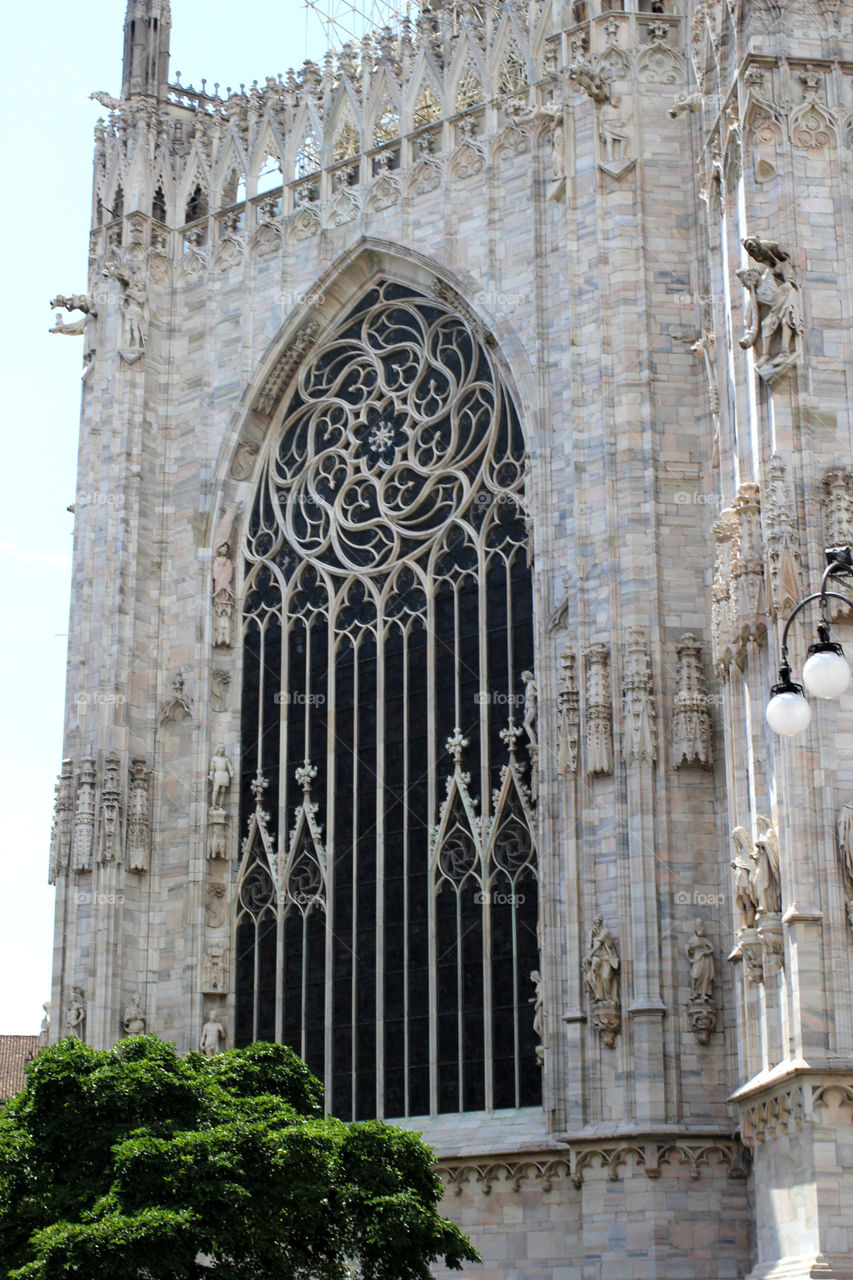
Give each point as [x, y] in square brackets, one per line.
[619, 1157]
[794, 1094]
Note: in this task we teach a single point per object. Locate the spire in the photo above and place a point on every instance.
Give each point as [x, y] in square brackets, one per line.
[146, 48]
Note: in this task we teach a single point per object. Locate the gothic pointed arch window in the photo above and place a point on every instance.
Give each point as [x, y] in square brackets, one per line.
[469, 90]
[388, 890]
[427, 106]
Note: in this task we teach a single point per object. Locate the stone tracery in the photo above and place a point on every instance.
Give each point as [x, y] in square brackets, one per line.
[389, 531]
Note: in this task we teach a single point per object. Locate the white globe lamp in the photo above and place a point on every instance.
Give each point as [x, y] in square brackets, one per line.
[787, 712]
[826, 673]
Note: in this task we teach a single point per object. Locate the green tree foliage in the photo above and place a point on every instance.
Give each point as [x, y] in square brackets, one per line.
[137, 1163]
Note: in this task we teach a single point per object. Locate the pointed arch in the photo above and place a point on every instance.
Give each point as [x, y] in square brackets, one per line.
[469, 88]
[424, 99]
[510, 66]
[397, 661]
[346, 142]
[386, 122]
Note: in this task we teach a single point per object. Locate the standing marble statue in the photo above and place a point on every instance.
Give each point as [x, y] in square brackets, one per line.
[221, 773]
[76, 1015]
[743, 865]
[766, 877]
[211, 1034]
[601, 963]
[600, 979]
[223, 596]
[530, 697]
[700, 955]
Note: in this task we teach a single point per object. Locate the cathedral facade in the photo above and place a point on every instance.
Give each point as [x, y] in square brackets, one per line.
[462, 420]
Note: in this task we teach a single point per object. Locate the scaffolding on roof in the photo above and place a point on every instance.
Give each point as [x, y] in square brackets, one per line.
[351, 20]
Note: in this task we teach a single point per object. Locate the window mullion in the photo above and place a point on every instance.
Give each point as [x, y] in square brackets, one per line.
[405, 861]
[354, 925]
[485, 792]
[379, 721]
[281, 986]
[432, 810]
[331, 705]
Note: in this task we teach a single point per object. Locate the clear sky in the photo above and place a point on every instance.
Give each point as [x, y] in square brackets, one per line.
[55, 54]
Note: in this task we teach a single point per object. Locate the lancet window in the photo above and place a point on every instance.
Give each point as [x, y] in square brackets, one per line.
[388, 891]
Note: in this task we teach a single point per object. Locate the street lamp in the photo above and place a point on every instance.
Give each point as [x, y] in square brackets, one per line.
[825, 671]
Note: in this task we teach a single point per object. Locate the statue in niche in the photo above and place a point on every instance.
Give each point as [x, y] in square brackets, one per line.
[530, 699]
[743, 865]
[134, 1019]
[600, 969]
[601, 963]
[223, 596]
[773, 306]
[613, 132]
[219, 694]
[701, 1014]
[529, 725]
[766, 880]
[211, 1034]
[214, 912]
[538, 1003]
[75, 1017]
[700, 955]
[221, 773]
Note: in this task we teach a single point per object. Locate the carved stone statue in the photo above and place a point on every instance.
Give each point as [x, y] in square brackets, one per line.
[766, 882]
[601, 963]
[70, 330]
[211, 1034]
[75, 302]
[743, 865]
[844, 830]
[586, 78]
[600, 968]
[613, 132]
[131, 275]
[75, 1017]
[214, 968]
[700, 954]
[538, 1003]
[134, 1019]
[530, 699]
[44, 1030]
[773, 307]
[701, 1014]
[221, 773]
[223, 596]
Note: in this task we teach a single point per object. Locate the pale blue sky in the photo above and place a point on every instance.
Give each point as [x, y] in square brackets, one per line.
[55, 54]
